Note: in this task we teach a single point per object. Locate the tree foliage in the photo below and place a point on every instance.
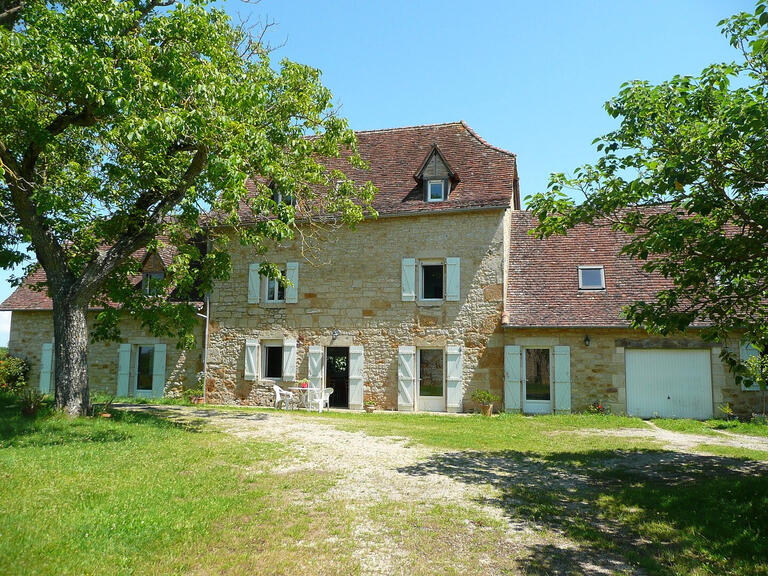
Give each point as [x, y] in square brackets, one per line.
[685, 174]
[125, 121]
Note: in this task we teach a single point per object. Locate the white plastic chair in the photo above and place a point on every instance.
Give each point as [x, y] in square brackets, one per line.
[284, 397]
[320, 398]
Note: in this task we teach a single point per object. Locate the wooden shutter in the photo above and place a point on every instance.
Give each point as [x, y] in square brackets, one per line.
[254, 283]
[251, 359]
[746, 352]
[158, 371]
[408, 279]
[512, 381]
[123, 369]
[292, 289]
[316, 367]
[356, 377]
[453, 378]
[562, 379]
[289, 359]
[406, 356]
[452, 279]
[46, 368]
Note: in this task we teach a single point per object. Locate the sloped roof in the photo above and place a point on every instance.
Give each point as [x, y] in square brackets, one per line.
[543, 283]
[486, 175]
[32, 295]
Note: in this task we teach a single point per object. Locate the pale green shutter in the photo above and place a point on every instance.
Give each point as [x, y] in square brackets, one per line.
[406, 377]
[408, 274]
[356, 377]
[452, 279]
[46, 368]
[453, 378]
[292, 289]
[158, 371]
[289, 359]
[562, 379]
[315, 363]
[254, 283]
[512, 381]
[251, 359]
[123, 368]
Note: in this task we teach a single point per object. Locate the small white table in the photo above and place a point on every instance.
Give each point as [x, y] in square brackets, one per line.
[302, 395]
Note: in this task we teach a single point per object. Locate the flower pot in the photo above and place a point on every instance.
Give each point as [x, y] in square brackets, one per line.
[369, 409]
[105, 415]
[196, 399]
[486, 409]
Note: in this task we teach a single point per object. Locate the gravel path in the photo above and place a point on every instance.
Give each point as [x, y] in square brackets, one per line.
[375, 470]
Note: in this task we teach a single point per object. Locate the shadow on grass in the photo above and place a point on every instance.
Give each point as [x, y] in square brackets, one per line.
[664, 512]
[48, 428]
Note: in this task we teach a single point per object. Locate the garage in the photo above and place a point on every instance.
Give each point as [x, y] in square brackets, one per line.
[669, 383]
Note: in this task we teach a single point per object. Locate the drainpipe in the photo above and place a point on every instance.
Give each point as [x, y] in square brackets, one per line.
[207, 317]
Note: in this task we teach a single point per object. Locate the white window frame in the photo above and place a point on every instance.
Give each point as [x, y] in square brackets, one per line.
[264, 344]
[268, 298]
[442, 188]
[135, 349]
[147, 279]
[434, 262]
[602, 278]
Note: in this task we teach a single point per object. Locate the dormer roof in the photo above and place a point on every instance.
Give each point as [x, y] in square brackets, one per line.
[435, 166]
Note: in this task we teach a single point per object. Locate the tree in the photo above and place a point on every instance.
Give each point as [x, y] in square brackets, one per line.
[123, 123]
[685, 175]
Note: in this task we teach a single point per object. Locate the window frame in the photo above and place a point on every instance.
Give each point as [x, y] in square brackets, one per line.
[136, 352]
[264, 345]
[592, 287]
[277, 288]
[147, 279]
[443, 195]
[422, 264]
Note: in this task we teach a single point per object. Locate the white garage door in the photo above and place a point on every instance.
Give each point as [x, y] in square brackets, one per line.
[669, 383]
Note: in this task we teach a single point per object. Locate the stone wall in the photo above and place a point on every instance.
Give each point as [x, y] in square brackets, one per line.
[598, 370]
[30, 329]
[352, 284]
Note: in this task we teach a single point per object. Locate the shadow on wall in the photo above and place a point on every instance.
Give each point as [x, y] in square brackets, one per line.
[666, 512]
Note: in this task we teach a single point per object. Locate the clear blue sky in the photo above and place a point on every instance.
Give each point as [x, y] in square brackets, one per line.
[530, 77]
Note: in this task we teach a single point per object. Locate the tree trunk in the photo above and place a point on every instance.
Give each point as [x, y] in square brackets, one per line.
[70, 332]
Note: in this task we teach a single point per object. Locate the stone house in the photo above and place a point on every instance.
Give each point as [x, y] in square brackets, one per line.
[444, 293]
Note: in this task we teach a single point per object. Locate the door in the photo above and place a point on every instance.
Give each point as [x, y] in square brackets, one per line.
[669, 383]
[337, 376]
[145, 361]
[537, 382]
[431, 378]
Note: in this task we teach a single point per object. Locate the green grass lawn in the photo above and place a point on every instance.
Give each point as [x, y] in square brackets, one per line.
[710, 427]
[140, 494]
[136, 494]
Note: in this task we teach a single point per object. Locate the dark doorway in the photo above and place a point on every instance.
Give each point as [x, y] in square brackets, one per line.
[337, 376]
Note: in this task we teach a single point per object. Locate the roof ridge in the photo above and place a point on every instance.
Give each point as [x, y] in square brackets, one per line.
[415, 127]
[485, 142]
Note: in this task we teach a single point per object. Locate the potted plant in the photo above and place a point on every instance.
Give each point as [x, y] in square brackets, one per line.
[486, 400]
[31, 401]
[369, 406]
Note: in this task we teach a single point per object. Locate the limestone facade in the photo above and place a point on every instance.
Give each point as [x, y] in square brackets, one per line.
[30, 329]
[350, 294]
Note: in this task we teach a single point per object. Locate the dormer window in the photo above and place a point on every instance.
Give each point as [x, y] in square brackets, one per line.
[150, 282]
[436, 191]
[280, 197]
[591, 278]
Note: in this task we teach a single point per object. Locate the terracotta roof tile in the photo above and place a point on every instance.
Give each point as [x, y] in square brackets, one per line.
[543, 283]
[487, 176]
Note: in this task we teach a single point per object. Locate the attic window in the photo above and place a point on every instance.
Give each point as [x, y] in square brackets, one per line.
[436, 191]
[280, 197]
[150, 281]
[591, 278]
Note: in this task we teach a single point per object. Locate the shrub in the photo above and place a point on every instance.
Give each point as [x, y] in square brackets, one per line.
[13, 374]
[596, 408]
[31, 400]
[484, 397]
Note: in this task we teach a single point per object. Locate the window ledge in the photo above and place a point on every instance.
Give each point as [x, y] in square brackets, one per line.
[272, 304]
[430, 303]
